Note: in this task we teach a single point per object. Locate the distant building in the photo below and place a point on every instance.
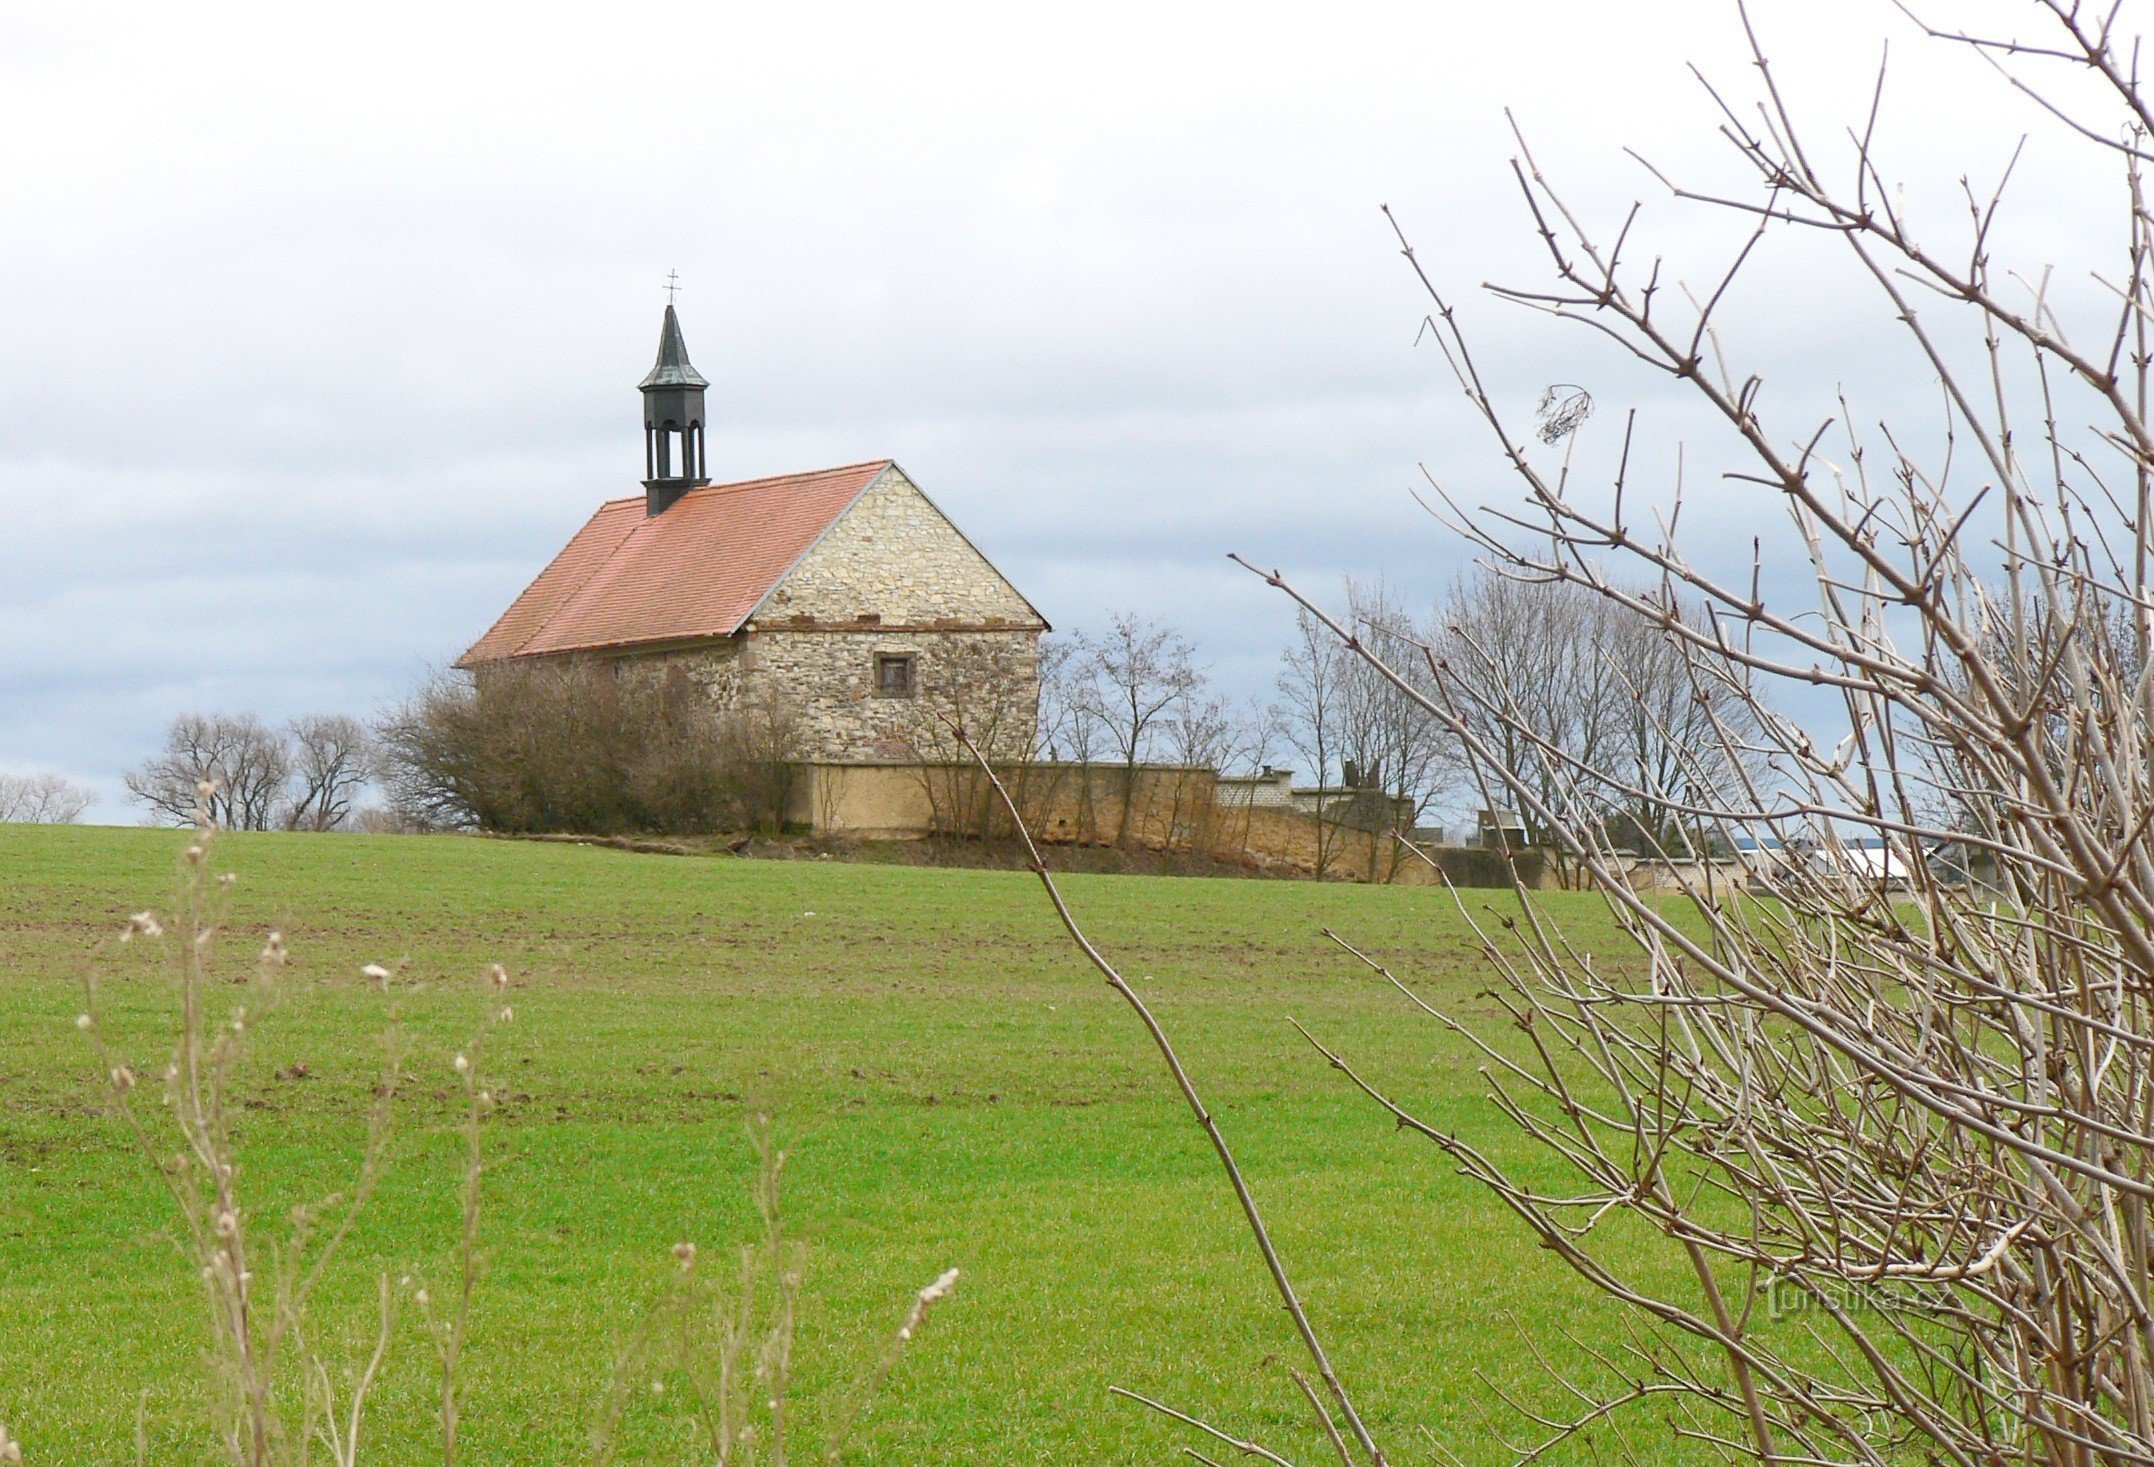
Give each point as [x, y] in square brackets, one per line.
[845, 592]
[1354, 801]
[1500, 830]
[1268, 788]
[1858, 862]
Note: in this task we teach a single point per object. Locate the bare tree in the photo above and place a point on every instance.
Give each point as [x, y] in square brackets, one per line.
[1569, 683]
[254, 769]
[1892, 1129]
[1064, 730]
[245, 759]
[1203, 729]
[1393, 742]
[42, 799]
[1068, 739]
[1261, 733]
[332, 759]
[1685, 742]
[1125, 684]
[988, 693]
[169, 783]
[1544, 649]
[1203, 734]
[1313, 673]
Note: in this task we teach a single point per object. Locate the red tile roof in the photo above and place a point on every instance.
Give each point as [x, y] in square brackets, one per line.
[697, 570]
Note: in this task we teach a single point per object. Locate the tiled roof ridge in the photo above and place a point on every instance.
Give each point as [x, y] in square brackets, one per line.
[766, 482]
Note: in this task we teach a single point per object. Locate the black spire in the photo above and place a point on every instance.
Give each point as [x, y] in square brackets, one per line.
[672, 419]
[673, 369]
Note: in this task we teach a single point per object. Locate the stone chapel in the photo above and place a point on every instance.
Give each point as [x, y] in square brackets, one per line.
[844, 592]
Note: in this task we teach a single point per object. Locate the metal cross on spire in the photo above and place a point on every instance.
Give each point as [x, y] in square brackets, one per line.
[673, 287]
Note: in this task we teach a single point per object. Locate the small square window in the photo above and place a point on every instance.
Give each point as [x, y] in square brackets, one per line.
[893, 675]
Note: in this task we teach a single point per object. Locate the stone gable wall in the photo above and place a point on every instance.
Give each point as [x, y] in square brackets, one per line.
[893, 577]
[893, 556]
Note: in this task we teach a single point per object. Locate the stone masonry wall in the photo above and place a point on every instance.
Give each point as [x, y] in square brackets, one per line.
[714, 665]
[989, 681]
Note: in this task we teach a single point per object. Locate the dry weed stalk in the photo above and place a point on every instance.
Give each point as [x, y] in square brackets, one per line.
[258, 1286]
[733, 1348]
[735, 1351]
[1896, 1120]
[448, 1331]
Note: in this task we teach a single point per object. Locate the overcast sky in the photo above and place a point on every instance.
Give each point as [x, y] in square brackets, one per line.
[322, 324]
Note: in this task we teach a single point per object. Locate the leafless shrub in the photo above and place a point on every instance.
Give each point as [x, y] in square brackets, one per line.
[1907, 1106]
[760, 745]
[593, 747]
[443, 767]
[1891, 1125]
[386, 820]
[42, 799]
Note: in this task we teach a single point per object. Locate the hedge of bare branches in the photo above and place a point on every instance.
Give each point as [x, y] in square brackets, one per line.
[587, 747]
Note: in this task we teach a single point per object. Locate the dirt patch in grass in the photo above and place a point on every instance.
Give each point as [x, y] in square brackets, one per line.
[963, 855]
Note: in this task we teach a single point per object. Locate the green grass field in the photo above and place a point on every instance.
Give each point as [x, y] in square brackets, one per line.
[957, 1088]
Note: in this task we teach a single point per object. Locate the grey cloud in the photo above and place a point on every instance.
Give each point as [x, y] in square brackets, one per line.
[371, 325]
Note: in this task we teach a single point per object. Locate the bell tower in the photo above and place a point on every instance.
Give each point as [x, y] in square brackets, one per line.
[672, 420]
